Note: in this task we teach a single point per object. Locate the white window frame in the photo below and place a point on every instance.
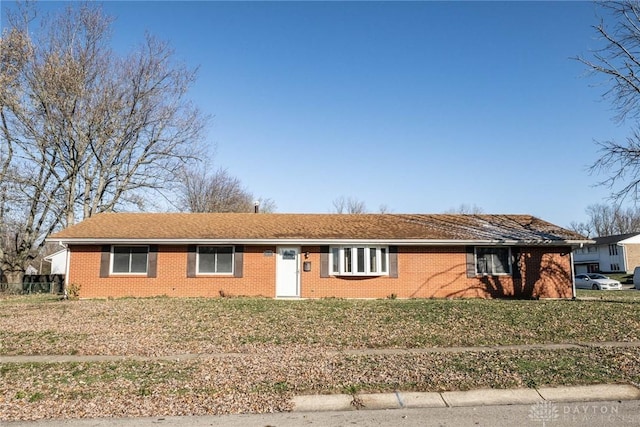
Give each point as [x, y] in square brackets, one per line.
[381, 260]
[225, 273]
[129, 273]
[491, 272]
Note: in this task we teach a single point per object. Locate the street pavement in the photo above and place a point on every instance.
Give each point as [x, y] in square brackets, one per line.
[594, 405]
[610, 413]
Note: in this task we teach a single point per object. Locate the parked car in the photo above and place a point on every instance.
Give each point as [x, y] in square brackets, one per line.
[598, 282]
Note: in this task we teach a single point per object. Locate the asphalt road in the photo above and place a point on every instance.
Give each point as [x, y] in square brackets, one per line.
[546, 414]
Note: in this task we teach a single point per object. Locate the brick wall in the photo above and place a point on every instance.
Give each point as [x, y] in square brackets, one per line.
[423, 272]
[440, 272]
[633, 257]
[258, 276]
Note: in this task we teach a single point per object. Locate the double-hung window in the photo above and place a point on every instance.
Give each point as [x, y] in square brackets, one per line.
[359, 260]
[215, 260]
[493, 261]
[129, 259]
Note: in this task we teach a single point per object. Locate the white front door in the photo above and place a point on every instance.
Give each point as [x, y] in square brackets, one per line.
[288, 272]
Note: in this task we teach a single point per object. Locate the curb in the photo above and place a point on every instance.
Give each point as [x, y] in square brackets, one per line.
[481, 397]
[590, 393]
[484, 397]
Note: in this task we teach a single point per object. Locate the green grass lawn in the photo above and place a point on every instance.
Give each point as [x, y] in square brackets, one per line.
[281, 348]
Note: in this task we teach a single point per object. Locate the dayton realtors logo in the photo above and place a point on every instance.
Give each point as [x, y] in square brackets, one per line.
[544, 412]
[578, 414]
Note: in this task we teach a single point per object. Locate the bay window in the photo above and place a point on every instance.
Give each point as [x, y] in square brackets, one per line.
[360, 260]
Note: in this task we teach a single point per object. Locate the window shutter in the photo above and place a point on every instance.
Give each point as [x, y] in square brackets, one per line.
[324, 261]
[393, 261]
[238, 258]
[105, 260]
[515, 263]
[191, 261]
[471, 262]
[152, 270]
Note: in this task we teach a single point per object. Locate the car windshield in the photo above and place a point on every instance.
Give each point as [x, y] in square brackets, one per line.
[597, 276]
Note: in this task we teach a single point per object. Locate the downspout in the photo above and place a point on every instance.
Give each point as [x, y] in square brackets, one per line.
[66, 271]
[624, 258]
[573, 276]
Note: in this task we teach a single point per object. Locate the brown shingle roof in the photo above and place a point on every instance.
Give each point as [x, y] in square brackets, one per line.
[302, 227]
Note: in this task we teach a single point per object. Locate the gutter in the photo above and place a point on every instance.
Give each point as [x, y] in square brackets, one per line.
[307, 242]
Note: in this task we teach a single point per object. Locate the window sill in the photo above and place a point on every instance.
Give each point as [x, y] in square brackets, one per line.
[494, 275]
[214, 275]
[128, 274]
[362, 275]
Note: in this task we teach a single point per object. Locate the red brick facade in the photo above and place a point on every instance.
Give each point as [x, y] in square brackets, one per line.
[423, 272]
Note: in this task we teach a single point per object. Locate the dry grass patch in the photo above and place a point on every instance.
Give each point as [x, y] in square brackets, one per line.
[295, 347]
[164, 326]
[266, 381]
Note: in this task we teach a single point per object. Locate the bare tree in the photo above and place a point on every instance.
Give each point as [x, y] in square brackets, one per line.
[384, 209]
[350, 205]
[583, 228]
[603, 219]
[83, 130]
[465, 209]
[608, 220]
[627, 220]
[217, 192]
[619, 62]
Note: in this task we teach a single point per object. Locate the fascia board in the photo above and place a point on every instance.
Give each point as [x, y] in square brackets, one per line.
[398, 242]
[630, 240]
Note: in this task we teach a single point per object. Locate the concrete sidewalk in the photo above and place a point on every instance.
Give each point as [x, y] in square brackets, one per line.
[352, 352]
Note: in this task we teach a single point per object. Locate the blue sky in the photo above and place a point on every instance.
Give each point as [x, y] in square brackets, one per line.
[419, 106]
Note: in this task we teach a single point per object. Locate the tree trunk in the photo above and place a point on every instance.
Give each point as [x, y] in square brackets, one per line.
[14, 281]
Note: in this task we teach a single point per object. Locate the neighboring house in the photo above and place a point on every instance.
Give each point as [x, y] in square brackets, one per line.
[58, 261]
[319, 255]
[609, 254]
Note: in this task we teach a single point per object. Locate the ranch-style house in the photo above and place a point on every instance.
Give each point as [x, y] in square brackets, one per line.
[318, 255]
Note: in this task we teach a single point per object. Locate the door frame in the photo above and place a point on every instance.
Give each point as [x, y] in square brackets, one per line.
[297, 272]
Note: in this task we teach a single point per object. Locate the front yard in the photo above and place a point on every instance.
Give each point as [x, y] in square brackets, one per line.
[264, 351]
